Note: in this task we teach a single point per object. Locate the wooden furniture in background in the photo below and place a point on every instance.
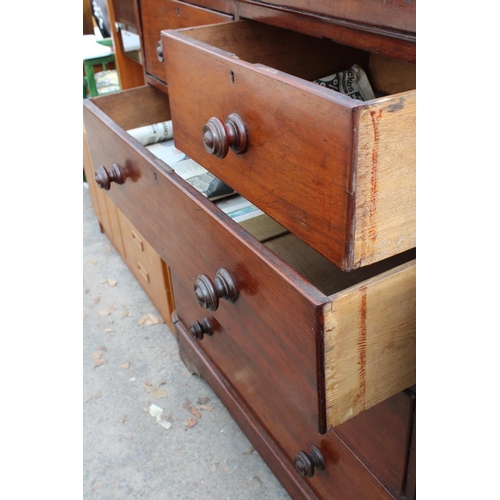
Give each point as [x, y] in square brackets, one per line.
[88, 25]
[130, 72]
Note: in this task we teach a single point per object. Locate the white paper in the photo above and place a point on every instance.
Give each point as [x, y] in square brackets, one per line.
[239, 208]
[151, 134]
[167, 152]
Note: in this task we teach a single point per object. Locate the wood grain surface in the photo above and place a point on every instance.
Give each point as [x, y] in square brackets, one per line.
[296, 168]
[158, 15]
[345, 475]
[370, 343]
[385, 171]
[301, 165]
[381, 437]
[395, 15]
[195, 237]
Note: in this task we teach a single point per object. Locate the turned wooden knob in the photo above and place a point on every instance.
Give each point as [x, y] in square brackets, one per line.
[306, 464]
[209, 292]
[105, 178]
[199, 329]
[219, 137]
[159, 51]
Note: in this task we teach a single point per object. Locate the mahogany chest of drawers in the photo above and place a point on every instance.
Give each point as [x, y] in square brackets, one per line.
[307, 336]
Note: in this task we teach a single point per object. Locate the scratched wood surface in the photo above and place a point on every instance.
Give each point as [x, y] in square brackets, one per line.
[370, 343]
[385, 212]
[290, 279]
[380, 437]
[309, 148]
[296, 168]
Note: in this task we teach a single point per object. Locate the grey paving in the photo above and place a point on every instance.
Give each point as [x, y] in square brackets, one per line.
[127, 367]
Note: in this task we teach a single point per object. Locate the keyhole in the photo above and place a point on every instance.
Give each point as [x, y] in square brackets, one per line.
[232, 77]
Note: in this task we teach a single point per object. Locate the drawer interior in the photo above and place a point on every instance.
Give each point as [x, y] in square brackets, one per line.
[304, 56]
[320, 272]
[135, 107]
[311, 265]
[146, 105]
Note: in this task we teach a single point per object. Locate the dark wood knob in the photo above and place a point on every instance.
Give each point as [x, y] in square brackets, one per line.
[199, 329]
[159, 51]
[105, 178]
[306, 464]
[219, 137]
[209, 292]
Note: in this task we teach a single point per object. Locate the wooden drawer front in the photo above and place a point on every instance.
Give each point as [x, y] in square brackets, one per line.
[158, 15]
[292, 303]
[394, 14]
[280, 320]
[338, 173]
[148, 268]
[344, 476]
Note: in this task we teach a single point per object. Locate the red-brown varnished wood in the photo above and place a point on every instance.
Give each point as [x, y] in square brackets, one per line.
[390, 15]
[375, 42]
[292, 158]
[158, 15]
[380, 437]
[163, 211]
[133, 108]
[299, 165]
[196, 361]
[266, 358]
[226, 6]
[344, 477]
[196, 238]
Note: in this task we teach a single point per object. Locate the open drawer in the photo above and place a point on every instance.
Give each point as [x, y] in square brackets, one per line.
[331, 343]
[337, 172]
[157, 15]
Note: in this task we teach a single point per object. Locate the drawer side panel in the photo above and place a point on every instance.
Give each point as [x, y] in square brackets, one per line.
[385, 173]
[370, 343]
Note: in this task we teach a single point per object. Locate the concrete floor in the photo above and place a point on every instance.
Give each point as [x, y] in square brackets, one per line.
[127, 368]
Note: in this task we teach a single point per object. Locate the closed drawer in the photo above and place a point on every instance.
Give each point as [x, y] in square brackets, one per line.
[338, 173]
[346, 474]
[332, 343]
[148, 268]
[157, 15]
